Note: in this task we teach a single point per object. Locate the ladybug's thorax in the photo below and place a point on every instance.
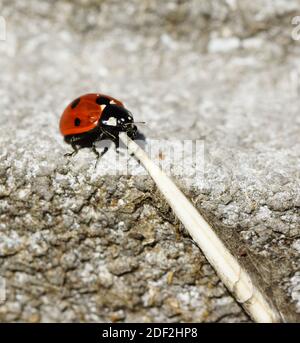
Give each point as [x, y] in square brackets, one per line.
[118, 119]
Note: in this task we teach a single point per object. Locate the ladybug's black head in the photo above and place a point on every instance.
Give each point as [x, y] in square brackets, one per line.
[118, 119]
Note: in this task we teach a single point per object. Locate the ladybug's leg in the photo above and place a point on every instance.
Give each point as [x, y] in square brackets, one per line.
[74, 152]
[95, 152]
[104, 151]
[117, 145]
[108, 134]
[98, 155]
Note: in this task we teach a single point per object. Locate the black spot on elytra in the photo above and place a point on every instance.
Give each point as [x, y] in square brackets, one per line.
[102, 100]
[75, 103]
[77, 122]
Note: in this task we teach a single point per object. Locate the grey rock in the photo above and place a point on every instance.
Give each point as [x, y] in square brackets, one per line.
[122, 266]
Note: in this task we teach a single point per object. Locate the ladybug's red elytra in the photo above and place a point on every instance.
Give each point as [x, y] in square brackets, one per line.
[94, 117]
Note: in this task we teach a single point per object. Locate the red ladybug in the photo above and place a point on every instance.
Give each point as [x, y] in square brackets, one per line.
[95, 117]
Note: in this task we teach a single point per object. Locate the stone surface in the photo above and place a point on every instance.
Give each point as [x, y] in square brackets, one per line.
[80, 244]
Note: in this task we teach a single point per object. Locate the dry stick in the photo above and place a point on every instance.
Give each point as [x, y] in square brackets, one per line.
[233, 275]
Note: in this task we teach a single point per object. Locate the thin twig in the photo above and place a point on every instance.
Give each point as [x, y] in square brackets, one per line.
[232, 274]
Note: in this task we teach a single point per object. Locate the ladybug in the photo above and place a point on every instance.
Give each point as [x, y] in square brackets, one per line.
[95, 117]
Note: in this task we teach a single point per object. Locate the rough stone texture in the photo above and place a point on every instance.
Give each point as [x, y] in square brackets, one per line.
[80, 245]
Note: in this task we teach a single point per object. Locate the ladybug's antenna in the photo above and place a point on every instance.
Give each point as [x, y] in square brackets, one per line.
[230, 271]
[136, 122]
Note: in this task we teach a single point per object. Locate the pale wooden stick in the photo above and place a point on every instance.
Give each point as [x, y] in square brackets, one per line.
[233, 275]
